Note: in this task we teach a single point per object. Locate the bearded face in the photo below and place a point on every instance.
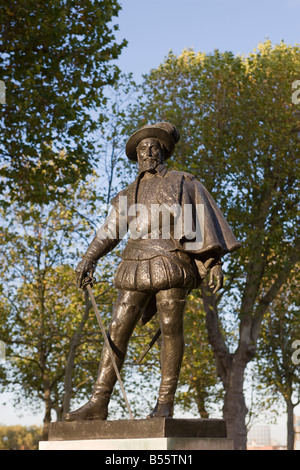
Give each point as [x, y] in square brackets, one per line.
[149, 154]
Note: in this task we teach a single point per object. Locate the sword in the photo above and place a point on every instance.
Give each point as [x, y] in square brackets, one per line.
[147, 349]
[87, 283]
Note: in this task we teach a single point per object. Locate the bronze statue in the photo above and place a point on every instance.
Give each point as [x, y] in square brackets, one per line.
[178, 236]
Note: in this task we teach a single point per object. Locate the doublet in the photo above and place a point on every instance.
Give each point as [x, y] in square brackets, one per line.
[154, 259]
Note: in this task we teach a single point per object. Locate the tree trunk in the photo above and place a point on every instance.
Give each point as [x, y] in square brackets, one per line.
[47, 415]
[231, 370]
[200, 401]
[290, 425]
[231, 367]
[235, 409]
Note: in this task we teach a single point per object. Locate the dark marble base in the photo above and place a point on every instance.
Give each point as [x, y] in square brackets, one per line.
[138, 429]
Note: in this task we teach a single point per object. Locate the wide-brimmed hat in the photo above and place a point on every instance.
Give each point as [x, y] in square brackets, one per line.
[164, 131]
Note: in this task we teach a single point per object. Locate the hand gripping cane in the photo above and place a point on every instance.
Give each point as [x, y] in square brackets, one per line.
[87, 284]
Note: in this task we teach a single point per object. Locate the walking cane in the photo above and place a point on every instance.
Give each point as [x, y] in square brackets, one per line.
[88, 281]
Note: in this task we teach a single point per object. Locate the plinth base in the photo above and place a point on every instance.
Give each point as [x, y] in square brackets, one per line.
[140, 434]
[163, 443]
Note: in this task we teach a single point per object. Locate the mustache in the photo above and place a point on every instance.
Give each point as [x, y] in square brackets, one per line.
[148, 164]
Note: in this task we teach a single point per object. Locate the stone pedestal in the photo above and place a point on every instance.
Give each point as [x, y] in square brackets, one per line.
[143, 434]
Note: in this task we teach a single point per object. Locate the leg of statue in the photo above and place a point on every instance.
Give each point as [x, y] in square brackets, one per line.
[170, 307]
[129, 307]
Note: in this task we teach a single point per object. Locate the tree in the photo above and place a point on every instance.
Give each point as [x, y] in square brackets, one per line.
[56, 59]
[40, 304]
[278, 371]
[19, 437]
[40, 243]
[113, 164]
[198, 378]
[240, 136]
[47, 329]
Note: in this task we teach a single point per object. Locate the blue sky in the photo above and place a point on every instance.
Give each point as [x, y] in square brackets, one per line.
[153, 27]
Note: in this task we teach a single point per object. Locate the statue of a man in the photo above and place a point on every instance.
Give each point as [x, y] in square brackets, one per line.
[178, 236]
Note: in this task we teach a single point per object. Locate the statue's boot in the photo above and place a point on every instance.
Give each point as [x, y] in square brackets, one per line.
[97, 406]
[171, 323]
[162, 410]
[126, 315]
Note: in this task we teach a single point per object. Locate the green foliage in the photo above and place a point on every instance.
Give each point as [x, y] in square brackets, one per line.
[280, 329]
[19, 437]
[198, 378]
[240, 137]
[277, 367]
[42, 309]
[113, 163]
[52, 337]
[238, 125]
[57, 57]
